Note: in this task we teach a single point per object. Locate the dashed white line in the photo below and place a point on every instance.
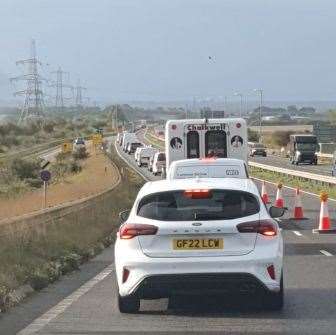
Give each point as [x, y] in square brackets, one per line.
[296, 232]
[39, 323]
[326, 253]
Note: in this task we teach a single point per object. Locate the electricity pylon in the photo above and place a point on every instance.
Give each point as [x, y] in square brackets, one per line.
[33, 106]
[59, 85]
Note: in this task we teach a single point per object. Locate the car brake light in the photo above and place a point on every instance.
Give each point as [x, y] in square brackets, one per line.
[198, 194]
[130, 230]
[125, 275]
[271, 271]
[263, 227]
[208, 159]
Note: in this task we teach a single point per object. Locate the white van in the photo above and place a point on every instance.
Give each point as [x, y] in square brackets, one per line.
[144, 155]
[127, 138]
[208, 168]
[200, 138]
[159, 163]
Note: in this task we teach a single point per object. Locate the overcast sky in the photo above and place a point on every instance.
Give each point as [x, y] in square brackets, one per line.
[159, 49]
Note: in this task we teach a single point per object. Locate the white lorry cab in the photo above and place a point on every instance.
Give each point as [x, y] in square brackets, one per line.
[202, 138]
[208, 168]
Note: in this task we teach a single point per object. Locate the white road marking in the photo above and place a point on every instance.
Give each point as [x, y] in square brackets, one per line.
[55, 311]
[296, 232]
[326, 253]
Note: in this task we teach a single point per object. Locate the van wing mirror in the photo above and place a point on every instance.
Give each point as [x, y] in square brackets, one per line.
[123, 216]
[276, 212]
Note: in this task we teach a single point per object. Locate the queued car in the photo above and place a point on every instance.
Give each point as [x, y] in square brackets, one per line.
[199, 236]
[159, 163]
[208, 168]
[132, 146]
[257, 149]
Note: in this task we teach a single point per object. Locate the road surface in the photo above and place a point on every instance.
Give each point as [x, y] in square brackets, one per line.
[85, 302]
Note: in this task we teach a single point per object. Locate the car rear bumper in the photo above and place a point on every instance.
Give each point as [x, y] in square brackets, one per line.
[161, 286]
[217, 274]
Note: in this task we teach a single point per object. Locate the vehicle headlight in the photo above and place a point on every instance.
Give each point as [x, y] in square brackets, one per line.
[298, 153]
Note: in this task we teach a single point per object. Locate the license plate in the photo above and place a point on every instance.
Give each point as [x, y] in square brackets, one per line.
[198, 243]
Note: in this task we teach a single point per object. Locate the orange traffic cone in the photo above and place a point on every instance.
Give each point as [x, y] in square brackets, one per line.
[324, 222]
[264, 195]
[298, 210]
[279, 201]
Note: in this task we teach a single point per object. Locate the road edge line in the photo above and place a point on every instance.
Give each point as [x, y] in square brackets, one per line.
[40, 322]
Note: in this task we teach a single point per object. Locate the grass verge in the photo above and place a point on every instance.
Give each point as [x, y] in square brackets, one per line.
[154, 141]
[39, 250]
[303, 184]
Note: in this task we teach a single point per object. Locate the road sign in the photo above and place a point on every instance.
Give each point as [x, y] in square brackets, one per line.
[66, 147]
[45, 175]
[97, 139]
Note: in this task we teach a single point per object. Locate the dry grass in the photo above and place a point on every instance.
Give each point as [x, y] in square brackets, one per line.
[97, 175]
[39, 250]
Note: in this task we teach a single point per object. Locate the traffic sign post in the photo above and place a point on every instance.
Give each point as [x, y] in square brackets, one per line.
[45, 176]
[66, 147]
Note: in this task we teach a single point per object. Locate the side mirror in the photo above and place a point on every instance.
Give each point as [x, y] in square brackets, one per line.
[123, 216]
[276, 212]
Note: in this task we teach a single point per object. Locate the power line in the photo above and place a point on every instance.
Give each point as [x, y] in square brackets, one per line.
[59, 85]
[33, 106]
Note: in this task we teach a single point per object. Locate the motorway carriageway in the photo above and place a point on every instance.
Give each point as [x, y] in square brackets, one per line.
[85, 302]
[321, 168]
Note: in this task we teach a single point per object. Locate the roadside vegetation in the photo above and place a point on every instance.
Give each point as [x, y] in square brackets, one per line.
[292, 181]
[19, 175]
[39, 253]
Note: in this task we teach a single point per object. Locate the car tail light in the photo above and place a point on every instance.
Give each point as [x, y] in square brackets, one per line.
[198, 194]
[130, 230]
[125, 275]
[263, 227]
[208, 159]
[271, 271]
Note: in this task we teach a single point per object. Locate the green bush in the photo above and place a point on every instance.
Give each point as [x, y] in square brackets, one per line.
[24, 169]
[80, 153]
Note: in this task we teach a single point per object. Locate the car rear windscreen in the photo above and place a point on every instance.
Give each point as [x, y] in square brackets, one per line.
[217, 205]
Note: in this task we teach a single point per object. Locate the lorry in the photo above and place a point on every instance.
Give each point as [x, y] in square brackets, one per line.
[201, 138]
[303, 148]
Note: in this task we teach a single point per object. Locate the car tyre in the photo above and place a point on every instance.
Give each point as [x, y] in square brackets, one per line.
[275, 300]
[130, 305]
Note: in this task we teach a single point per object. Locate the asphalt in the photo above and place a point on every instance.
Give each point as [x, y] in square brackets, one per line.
[310, 294]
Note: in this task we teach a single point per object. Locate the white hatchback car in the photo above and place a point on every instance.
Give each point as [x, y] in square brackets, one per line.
[199, 236]
[208, 168]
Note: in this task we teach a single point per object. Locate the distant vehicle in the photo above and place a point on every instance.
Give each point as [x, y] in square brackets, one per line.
[128, 138]
[208, 168]
[303, 148]
[119, 138]
[79, 142]
[201, 138]
[137, 153]
[151, 161]
[333, 165]
[132, 146]
[199, 237]
[257, 149]
[159, 163]
[144, 155]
